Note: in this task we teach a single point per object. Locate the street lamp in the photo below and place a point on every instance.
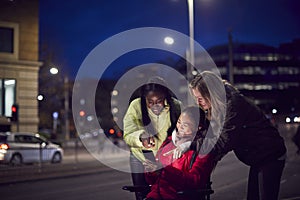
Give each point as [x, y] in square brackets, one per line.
[169, 40]
[191, 54]
[55, 71]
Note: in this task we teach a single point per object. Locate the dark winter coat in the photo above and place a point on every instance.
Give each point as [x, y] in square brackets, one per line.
[247, 132]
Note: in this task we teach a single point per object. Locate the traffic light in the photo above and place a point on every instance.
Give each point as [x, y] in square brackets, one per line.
[14, 113]
[81, 113]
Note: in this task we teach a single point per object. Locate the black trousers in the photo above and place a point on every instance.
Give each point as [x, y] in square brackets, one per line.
[264, 181]
[138, 176]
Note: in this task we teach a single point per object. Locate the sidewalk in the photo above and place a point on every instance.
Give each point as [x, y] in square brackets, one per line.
[76, 162]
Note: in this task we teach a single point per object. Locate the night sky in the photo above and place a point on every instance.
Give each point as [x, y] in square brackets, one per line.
[71, 29]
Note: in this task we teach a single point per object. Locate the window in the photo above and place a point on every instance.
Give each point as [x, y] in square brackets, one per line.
[9, 40]
[8, 96]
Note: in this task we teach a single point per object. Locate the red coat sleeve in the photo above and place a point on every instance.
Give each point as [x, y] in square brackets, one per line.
[195, 177]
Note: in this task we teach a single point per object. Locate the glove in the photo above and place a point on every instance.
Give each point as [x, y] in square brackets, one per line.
[181, 149]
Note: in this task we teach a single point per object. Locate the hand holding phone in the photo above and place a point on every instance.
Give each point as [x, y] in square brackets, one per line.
[149, 155]
[147, 140]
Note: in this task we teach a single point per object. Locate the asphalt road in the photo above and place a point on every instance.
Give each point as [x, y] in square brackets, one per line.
[83, 177]
[96, 186]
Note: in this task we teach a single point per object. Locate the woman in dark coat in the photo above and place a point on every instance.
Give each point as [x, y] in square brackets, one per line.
[238, 124]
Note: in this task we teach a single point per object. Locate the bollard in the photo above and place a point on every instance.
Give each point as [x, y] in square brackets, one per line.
[41, 157]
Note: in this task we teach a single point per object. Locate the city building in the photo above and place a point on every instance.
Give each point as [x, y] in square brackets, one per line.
[19, 65]
[269, 75]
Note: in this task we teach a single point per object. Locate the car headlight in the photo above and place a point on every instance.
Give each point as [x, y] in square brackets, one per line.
[297, 119]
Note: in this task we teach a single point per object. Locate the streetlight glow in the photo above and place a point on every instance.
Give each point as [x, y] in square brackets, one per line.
[115, 92]
[169, 40]
[40, 97]
[53, 70]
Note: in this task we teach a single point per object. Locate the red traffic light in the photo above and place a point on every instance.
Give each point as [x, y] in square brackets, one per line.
[14, 108]
[111, 131]
[14, 113]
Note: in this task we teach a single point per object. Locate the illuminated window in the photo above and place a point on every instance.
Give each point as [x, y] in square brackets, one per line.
[8, 96]
[247, 57]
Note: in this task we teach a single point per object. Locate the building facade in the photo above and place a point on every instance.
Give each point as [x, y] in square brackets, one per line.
[19, 65]
[270, 75]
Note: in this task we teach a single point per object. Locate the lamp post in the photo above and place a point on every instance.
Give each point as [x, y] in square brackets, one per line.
[54, 71]
[191, 52]
[66, 104]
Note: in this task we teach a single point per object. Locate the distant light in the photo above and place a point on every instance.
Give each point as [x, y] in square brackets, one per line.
[53, 70]
[4, 146]
[115, 110]
[115, 92]
[82, 101]
[247, 58]
[111, 131]
[287, 120]
[169, 40]
[274, 111]
[194, 72]
[297, 119]
[40, 97]
[55, 115]
[119, 134]
[90, 118]
[81, 113]
[9, 82]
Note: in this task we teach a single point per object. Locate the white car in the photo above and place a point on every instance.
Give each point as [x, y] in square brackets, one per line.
[19, 148]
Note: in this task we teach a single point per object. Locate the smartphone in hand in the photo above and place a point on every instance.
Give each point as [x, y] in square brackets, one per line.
[149, 155]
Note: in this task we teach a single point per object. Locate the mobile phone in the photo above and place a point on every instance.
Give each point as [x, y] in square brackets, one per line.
[149, 155]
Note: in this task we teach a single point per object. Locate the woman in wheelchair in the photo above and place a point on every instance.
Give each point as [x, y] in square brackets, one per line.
[191, 171]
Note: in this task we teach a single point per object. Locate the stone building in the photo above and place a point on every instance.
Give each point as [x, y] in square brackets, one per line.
[19, 65]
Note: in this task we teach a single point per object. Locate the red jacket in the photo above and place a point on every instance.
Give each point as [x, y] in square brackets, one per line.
[177, 175]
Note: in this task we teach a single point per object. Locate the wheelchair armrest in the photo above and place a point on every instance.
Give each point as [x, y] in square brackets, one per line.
[201, 192]
[136, 188]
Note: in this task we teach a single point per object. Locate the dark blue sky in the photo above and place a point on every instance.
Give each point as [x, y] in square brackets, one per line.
[72, 28]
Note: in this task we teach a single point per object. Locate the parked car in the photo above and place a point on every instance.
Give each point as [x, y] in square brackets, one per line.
[18, 148]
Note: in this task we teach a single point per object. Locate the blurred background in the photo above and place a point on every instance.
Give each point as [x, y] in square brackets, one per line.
[43, 44]
[255, 45]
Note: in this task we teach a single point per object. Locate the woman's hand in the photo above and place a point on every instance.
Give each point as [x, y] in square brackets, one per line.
[151, 166]
[181, 149]
[147, 140]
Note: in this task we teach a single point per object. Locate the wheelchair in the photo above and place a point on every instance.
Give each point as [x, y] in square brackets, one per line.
[193, 194]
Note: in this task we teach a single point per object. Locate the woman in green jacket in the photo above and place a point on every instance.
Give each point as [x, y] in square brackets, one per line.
[149, 120]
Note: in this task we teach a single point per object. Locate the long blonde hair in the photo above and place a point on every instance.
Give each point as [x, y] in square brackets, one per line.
[212, 89]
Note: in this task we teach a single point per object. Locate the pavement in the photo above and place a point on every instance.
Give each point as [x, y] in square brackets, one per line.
[76, 162]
